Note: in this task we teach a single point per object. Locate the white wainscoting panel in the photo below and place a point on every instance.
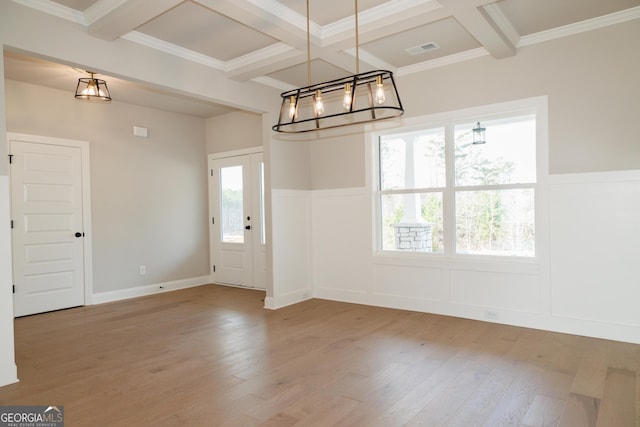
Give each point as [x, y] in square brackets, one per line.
[595, 247]
[592, 286]
[342, 243]
[291, 211]
[508, 291]
[399, 281]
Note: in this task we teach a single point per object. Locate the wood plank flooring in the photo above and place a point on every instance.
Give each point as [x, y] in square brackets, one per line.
[212, 356]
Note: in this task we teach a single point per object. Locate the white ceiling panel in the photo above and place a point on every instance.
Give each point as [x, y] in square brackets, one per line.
[448, 34]
[201, 30]
[80, 5]
[321, 71]
[325, 12]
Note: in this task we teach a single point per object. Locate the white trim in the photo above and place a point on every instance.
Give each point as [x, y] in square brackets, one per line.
[55, 9]
[276, 84]
[581, 27]
[380, 13]
[276, 50]
[371, 59]
[291, 298]
[8, 368]
[157, 288]
[502, 22]
[443, 61]
[86, 198]
[276, 8]
[100, 9]
[175, 50]
[595, 177]
[269, 303]
[234, 153]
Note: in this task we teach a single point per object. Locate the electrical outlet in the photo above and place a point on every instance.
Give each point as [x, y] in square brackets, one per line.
[491, 315]
[142, 270]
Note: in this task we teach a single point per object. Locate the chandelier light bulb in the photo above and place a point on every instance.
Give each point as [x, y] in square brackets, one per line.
[380, 98]
[292, 107]
[318, 106]
[346, 101]
[91, 89]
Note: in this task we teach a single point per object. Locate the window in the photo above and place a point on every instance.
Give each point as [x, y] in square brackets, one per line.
[440, 193]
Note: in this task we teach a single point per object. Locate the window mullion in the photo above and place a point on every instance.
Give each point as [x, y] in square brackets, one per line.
[448, 195]
[494, 187]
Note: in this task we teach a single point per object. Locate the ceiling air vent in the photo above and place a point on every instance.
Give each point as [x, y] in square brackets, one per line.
[423, 48]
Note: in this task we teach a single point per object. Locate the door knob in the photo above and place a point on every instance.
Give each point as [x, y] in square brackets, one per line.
[78, 234]
[248, 227]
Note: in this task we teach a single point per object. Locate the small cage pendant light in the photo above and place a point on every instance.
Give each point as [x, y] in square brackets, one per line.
[92, 89]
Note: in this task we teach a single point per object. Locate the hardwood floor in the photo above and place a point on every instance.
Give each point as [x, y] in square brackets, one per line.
[212, 355]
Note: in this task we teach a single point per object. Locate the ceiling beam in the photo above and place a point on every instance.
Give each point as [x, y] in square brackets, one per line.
[480, 25]
[110, 19]
[268, 17]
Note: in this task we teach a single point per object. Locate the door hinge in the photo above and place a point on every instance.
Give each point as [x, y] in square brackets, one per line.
[10, 158]
[211, 172]
[213, 221]
[12, 224]
[14, 289]
[214, 268]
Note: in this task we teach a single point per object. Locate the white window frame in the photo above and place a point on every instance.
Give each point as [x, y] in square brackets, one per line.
[448, 120]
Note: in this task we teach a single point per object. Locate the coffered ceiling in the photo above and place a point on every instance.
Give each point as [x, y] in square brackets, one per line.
[266, 40]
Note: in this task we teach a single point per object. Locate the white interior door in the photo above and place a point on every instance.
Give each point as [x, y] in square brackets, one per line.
[47, 226]
[237, 227]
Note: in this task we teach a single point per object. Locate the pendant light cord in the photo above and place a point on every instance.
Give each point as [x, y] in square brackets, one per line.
[308, 48]
[357, 42]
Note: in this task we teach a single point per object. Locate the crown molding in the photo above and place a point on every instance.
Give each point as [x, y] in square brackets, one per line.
[371, 59]
[101, 8]
[55, 9]
[502, 22]
[274, 7]
[441, 62]
[276, 50]
[276, 84]
[581, 27]
[375, 14]
[172, 49]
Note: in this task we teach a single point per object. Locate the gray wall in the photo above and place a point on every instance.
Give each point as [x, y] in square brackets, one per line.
[149, 196]
[234, 131]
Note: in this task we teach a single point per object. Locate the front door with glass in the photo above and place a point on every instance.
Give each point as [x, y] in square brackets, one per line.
[237, 237]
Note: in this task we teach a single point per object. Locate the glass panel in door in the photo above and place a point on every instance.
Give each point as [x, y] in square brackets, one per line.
[231, 201]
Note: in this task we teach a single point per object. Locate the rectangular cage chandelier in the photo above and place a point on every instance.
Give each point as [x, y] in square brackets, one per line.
[360, 98]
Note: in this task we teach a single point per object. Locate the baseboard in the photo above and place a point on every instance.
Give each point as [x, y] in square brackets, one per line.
[274, 303]
[9, 374]
[157, 288]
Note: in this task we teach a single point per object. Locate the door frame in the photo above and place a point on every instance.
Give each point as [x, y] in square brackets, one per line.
[212, 209]
[86, 200]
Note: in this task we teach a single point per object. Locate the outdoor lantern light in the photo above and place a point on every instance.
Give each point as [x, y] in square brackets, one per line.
[478, 134]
